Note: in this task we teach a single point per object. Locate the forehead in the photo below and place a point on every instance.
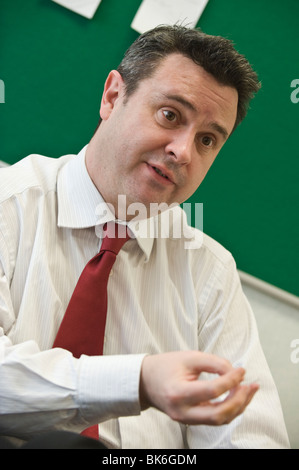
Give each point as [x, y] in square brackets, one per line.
[180, 71]
[179, 76]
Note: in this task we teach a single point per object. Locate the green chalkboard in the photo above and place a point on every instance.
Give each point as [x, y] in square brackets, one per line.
[54, 62]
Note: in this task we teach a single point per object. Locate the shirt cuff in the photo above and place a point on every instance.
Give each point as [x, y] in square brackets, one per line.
[109, 387]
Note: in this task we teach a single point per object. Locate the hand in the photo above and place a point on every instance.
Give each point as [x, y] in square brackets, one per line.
[170, 382]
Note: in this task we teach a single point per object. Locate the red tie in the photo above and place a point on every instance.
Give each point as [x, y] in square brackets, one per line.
[83, 326]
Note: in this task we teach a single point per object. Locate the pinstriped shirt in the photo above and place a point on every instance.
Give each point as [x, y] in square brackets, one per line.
[161, 297]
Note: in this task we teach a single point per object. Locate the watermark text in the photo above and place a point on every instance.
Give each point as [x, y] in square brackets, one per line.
[295, 93]
[156, 220]
[2, 92]
[295, 353]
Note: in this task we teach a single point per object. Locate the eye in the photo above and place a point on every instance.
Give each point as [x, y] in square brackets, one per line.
[169, 115]
[207, 141]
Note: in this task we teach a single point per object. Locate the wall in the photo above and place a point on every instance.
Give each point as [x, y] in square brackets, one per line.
[54, 63]
[278, 325]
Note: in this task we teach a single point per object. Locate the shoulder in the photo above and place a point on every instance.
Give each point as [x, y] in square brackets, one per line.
[192, 241]
[33, 171]
[216, 250]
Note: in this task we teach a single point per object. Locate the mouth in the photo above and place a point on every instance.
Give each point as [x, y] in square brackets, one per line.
[163, 175]
[160, 172]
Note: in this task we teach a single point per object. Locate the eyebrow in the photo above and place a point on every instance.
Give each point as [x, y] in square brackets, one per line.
[214, 125]
[183, 101]
[220, 129]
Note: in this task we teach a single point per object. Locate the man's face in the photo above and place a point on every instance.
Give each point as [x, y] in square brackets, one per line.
[158, 145]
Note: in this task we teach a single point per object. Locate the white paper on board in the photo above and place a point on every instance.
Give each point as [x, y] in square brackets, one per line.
[152, 13]
[85, 8]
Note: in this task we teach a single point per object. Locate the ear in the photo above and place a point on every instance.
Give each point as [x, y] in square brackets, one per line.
[113, 90]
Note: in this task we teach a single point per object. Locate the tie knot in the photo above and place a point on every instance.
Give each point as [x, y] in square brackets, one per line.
[114, 237]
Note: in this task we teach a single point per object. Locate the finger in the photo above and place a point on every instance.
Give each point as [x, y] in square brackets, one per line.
[219, 413]
[204, 362]
[198, 391]
[234, 405]
[237, 403]
[251, 391]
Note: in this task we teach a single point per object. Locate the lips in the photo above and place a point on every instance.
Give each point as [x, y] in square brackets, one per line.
[162, 172]
[159, 172]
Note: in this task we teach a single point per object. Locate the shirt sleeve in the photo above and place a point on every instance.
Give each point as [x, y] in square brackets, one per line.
[228, 329]
[45, 390]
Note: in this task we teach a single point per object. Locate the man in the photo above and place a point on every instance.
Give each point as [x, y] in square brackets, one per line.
[179, 334]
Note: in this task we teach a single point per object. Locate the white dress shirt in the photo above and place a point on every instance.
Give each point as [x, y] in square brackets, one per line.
[162, 297]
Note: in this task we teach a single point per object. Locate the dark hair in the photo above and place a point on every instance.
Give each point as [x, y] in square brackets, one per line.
[217, 55]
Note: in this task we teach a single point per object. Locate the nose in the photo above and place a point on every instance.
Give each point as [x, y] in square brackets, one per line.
[180, 147]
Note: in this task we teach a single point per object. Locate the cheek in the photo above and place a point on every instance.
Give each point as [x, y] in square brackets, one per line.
[197, 172]
[203, 165]
[196, 175]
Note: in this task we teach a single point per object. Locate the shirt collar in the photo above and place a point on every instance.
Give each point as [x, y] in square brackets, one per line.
[80, 205]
